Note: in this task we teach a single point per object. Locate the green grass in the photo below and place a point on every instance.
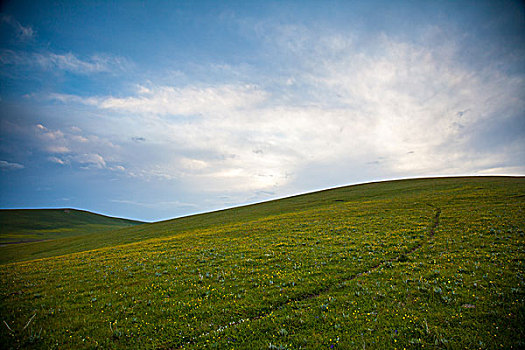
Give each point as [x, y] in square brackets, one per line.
[431, 263]
[357, 194]
[26, 225]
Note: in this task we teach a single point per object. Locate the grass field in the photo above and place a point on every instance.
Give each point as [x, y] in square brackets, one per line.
[428, 263]
[26, 225]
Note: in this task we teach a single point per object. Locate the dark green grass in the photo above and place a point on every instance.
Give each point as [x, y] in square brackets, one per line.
[350, 268]
[26, 225]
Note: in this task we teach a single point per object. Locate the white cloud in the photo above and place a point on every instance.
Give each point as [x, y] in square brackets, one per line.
[53, 141]
[69, 62]
[118, 168]
[91, 160]
[193, 164]
[85, 151]
[48, 134]
[168, 100]
[5, 165]
[58, 160]
[504, 171]
[402, 97]
[79, 138]
[57, 149]
[385, 108]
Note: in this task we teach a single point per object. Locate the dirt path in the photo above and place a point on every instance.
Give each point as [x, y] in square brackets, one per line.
[336, 285]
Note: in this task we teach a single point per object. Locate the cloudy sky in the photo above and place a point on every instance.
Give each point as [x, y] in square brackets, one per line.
[155, 109]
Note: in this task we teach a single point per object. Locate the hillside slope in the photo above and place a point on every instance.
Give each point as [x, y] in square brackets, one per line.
[420, 189]
[433, 263]
[26, 225]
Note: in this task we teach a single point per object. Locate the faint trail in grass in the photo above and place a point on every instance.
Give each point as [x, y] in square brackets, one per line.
[317, 293]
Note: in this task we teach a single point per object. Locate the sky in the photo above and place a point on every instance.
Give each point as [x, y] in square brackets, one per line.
[159, 109]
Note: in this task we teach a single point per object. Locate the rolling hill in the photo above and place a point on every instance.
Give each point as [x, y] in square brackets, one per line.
[425, 263]
[27, 225]
[387, 190]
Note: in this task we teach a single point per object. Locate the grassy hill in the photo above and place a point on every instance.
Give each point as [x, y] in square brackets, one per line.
[403, 264]
[26, 225]
[421, 189]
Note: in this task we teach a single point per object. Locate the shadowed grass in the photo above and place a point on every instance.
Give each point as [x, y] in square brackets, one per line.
[42, 224]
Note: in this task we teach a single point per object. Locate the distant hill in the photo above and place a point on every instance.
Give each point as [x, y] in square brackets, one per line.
[30, 225]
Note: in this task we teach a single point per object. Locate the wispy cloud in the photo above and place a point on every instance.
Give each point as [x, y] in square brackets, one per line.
[23, 33]
[58, 160]
[168, 100]
[91, 160]
[5, 165]
[57, 149]
[171, 204]
[68, 62]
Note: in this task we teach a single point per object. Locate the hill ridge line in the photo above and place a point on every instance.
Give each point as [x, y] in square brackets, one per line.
[316, 294]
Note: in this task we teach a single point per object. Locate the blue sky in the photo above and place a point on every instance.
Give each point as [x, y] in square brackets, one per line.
[154, 109]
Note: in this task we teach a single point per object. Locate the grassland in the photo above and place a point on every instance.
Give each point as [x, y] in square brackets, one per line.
[430, 263]
[403, 189]
[26, 225]
[23, 230]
